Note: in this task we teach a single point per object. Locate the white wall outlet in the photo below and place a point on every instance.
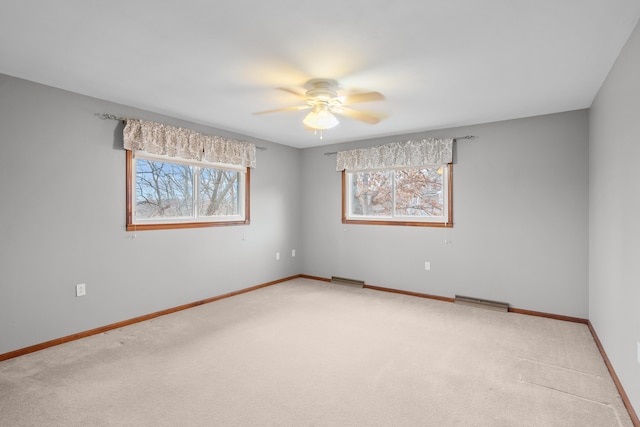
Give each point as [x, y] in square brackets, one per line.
[277, 256]
[81, 290]
[293, 253]
[638, 351]
[427, 265]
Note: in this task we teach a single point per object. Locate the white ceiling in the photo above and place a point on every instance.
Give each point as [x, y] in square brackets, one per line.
[438, 63]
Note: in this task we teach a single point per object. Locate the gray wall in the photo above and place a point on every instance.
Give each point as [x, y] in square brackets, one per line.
[62, 222]
[614, 187]
[520, 220]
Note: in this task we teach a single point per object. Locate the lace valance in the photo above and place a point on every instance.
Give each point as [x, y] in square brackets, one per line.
[430, 151]
[157, 138]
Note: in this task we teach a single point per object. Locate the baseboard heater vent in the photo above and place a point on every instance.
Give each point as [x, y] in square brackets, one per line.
[482, 303]
[348, 282]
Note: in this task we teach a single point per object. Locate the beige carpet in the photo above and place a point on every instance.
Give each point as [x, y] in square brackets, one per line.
[308, 353]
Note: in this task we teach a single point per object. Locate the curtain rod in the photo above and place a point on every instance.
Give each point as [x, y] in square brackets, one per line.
[329, 153]
[105, 116]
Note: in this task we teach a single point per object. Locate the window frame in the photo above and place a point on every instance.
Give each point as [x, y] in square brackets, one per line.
[402, 221]
[132, 225]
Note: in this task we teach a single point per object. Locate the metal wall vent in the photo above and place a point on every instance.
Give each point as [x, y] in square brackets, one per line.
[348, 282]
[482, 303]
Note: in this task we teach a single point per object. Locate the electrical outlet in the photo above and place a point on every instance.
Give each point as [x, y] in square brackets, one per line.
[293, 253]
[638, 351]
[427, 265]
[81, 290]
[277, 256]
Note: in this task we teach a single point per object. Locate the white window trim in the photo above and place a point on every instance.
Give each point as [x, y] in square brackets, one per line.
[242, 218]
[435, 221]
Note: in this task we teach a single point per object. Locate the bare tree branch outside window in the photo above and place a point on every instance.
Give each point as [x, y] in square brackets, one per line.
[166, 190]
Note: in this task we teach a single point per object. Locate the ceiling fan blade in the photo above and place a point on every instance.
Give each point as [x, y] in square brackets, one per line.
[278, 110]
[371, 118]
[293, 92]
[363, 97]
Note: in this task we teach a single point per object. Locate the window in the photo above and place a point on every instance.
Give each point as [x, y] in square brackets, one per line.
[419, 196]
[165, 192]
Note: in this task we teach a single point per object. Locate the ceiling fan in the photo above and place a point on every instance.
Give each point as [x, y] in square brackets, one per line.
[321, 97]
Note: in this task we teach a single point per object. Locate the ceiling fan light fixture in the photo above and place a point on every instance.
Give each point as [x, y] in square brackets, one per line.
[320, 119]
[322, 100]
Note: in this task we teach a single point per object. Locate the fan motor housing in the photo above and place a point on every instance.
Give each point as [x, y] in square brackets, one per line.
[324, 94]
[321, 89]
